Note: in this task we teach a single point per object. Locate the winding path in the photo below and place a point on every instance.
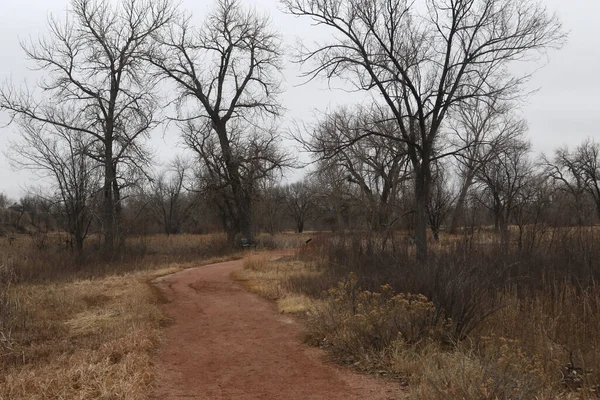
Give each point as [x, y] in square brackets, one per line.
[227, 343]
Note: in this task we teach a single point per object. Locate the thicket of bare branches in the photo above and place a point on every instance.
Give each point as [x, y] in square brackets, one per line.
[227, 77]
[96, 86]
[422, 61]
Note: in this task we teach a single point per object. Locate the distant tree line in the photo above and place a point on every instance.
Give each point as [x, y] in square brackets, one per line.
[440, 146]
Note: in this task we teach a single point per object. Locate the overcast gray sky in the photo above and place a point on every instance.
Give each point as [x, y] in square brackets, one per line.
[565, 110]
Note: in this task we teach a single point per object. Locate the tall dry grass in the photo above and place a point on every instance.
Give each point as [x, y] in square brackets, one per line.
[481, 321]
[46, 257]
[84, 329]
[80, 340]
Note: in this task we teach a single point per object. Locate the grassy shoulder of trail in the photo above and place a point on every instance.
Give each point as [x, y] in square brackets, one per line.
[87, 331]
[476, 335]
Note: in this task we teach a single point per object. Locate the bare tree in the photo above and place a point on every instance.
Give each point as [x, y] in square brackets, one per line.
[440, 200]
[588, 160]
[258, 156]
[334, 195]
[480, 130]
[4, 201]
[269, 211]
[168, 195]
[578, 173]
[564, 170]
[501, 183]
[425, 59]
[531, 209]
[97, 85]
[229, 68]
[356, 141]
[299, 200]
[60, 154]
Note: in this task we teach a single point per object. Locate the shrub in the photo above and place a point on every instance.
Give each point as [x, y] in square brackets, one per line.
[355, 324]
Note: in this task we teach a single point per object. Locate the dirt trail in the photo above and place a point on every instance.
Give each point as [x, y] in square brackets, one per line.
[227, 343]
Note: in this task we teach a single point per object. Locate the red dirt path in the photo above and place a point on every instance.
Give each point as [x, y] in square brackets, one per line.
[227, 343]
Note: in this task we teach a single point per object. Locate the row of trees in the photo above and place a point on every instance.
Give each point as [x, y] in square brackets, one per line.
[100, 98]
[353, 190]
[440, 76]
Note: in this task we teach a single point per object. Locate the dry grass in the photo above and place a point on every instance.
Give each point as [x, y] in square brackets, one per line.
[83, 339]
[526, 328]
[270, 279]
[285, 240]
[87, 331]
[45, 258]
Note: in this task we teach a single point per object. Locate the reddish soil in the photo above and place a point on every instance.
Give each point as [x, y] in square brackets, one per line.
[227, 343]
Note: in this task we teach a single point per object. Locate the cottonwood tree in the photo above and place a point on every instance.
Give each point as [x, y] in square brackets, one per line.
[357, 142]
[300, 202]
[97, 85]
[258, 156]
[169, 198]
[60, 155]
[441, 200]
[425, 58]
[501, 183]
[480, 130]
[578, 173]
[588, 160]
[530, 213]
[227, 76]
[565, 172]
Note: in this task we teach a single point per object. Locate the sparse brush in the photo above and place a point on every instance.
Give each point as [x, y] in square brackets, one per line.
[355, 324]
[85, 328]
[505, 322]
[467, 376]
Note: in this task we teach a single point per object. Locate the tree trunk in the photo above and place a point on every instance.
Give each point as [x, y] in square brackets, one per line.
[245, 214]
[504, 234]
[460, 203]
[109, 206]
[300, 226]
[435, 229]
[118, 212]
[422, 183]
[243, 201]
[231, 234]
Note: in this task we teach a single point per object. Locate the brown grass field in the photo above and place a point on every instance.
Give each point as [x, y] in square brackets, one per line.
[83, 332]
[88, 330]
[537, 343]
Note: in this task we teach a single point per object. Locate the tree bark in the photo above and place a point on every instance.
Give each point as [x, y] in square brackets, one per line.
[422, 185]
[109, 207]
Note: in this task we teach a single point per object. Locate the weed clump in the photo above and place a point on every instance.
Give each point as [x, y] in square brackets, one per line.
[356, 324]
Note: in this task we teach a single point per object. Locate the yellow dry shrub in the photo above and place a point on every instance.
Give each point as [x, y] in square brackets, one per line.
[358, 325]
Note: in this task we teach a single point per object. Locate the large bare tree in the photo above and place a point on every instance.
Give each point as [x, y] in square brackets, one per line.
[227, 77]
[97, 85]
[480, 130]
[425, 58]
[258, 156]
[357, 141]
[501, 183]
[60, 155]
[578, 173]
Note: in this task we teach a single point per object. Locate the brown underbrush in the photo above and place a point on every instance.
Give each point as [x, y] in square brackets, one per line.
[83, 328]
[482, 320]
